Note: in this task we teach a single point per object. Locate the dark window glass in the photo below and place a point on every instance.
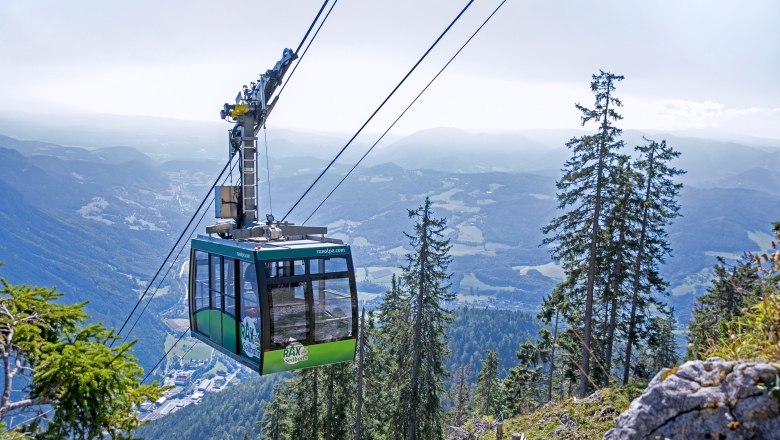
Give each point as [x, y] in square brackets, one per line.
[332, 310]
[286, 268]
[327, 265]
[251, 342]
[288, 314]
[216, 282]
[229, 271]
[201, 280]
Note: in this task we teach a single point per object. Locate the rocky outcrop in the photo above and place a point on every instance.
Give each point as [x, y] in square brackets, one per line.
[712, 399]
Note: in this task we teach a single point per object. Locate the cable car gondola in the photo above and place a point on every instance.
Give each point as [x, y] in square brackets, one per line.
[274, 296]
[274, 306]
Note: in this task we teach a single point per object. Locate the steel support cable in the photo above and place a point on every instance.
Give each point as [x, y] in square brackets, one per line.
[165, 355]
[184, 231]
[379, 108]
[300, 59]
[181, 249]
[311, 26]
[405, 110]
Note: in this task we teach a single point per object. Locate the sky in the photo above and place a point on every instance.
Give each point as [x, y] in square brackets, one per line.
[688, 65]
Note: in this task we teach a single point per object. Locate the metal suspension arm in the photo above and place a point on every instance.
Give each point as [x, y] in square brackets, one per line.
[253, 104]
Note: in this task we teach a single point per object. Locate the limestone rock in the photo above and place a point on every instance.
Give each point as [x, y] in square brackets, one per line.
[712, 399]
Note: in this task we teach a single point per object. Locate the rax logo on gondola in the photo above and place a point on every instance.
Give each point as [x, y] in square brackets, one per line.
[250, 338]
[295, 353]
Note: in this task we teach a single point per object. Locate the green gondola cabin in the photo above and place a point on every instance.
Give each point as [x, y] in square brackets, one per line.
[274, 306]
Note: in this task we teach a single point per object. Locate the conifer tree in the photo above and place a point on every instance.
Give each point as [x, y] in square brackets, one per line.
[338, 398]
[381, 398]
[426, 289]
[624, 203]
[659, 208]
[461, 395]
[661, 347]
[487, 399]
[576, 234]
[274, 423]
[63, 373]
[731, 291]
[391, 350]
[304, 407]
[523, 386]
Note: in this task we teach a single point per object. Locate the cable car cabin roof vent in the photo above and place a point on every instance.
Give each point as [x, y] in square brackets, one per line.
[270, 232]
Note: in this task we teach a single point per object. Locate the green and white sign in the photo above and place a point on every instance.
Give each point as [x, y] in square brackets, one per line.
[295, 353]
[296, 356]
[250, 337]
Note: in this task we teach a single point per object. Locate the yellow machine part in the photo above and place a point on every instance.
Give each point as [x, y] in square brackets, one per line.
[238, 110]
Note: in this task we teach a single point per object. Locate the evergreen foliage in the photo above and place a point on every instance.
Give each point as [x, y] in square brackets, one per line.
[732, 290]
[487, 395]
[425, 282]
[74, 385]
[753, 330]
[524, 389]
[402, 358]
[475, 330]
[274, 422]
[658, 208]
[577, 233]
[660, 350]
[460, 391]
[610, 240]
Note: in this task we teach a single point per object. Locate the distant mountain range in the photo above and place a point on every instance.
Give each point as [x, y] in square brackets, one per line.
[97, 222]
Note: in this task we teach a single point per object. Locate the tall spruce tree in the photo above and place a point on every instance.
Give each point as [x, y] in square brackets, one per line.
[623, 204]
[659, 207]
[338, 401]
[425, 286]
[381, 398]
[487, 396]
[274, 423]
[392, 349]
[576, 234]
[303, 415]
[524, 386]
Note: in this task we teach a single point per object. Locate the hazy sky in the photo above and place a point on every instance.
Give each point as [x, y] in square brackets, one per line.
[688, 64]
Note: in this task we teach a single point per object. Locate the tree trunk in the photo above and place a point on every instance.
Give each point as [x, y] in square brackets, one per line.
[552, 358]
[616, 287]
[586, 333]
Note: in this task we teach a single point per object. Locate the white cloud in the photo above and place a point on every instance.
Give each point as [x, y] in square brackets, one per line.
[686, 114]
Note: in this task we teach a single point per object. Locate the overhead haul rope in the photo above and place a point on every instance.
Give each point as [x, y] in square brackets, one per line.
[311, 26]
[181, 249]
[300, 59]
[165, 355]
[405, 110]
[208, 194]
[379, 108]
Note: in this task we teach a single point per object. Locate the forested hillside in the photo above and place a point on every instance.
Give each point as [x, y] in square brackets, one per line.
[475, 330]
[225, 416]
